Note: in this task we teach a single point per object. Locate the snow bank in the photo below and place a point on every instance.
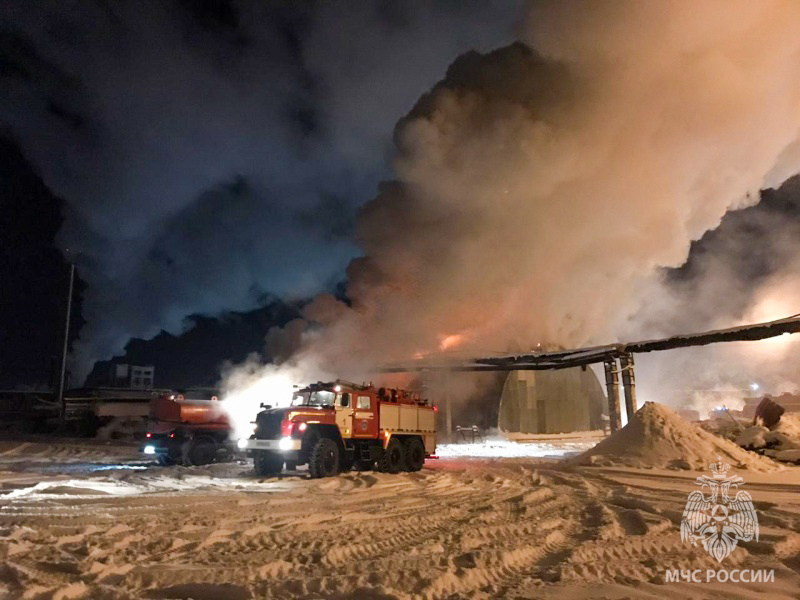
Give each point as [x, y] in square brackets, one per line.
[656, 437]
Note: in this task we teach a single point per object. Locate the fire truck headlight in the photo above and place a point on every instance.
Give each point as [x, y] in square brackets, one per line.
[149, 449]
[285, 443]
[241, 443]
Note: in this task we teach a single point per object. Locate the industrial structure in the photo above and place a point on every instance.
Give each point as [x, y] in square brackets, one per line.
[617, 359]
[547, 402]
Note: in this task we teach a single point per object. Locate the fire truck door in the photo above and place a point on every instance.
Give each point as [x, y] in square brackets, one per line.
[365, 416]
[344, 414]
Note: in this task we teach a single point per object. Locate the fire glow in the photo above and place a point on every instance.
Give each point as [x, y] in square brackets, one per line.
[451, 341]
[772, 305]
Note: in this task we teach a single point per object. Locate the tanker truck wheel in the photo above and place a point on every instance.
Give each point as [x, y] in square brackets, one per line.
[415, 455]
[164, 460]
[267, 463]
[324, 459]
[393, 458]
[202, 451]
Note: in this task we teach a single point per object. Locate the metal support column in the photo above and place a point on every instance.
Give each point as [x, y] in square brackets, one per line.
[628, 383]
[448, 406]
[612, 389]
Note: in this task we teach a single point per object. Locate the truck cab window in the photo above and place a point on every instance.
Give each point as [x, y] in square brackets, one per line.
[363, 402]
[316, 398]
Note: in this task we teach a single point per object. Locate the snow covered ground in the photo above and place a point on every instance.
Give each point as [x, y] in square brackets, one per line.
[501, 448]
[92, 521]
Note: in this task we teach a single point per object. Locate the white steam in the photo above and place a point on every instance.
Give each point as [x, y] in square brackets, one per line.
[251, 384]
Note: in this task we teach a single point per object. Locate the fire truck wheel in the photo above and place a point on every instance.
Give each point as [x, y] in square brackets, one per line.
[324, 459]
[393, 459]
[267, 463]
[415, 454]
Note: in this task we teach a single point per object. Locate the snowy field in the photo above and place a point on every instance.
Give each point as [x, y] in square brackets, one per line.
[93, 521]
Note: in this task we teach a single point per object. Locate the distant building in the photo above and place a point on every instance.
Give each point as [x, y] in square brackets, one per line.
[136, 377]
[121, 375]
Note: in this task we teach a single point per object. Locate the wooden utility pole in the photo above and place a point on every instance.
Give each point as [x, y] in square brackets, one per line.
[61, 403]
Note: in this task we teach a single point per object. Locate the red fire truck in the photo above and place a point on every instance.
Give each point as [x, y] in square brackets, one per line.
[187, 431]
[338, 425]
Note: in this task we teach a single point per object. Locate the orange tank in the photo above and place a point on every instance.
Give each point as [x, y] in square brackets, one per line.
[177, 409]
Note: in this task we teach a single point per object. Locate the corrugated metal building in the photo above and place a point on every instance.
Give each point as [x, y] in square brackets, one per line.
[559, 401]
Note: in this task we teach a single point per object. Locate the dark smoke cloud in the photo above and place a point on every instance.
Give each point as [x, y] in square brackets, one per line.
[212, 152]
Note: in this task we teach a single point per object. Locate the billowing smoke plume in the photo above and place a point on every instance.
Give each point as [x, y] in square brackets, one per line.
[539, 187]
[744, 271]
[211, 153]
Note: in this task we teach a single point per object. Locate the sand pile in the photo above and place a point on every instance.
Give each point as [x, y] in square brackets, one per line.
[782, 442]
[656, 437]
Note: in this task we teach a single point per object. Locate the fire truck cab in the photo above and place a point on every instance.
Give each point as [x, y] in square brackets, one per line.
[338, 425]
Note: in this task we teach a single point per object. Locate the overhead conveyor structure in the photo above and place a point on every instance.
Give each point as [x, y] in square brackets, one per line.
[617, 359]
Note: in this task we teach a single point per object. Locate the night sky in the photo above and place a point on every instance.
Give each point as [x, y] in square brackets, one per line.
[206, 161]
[212, 154]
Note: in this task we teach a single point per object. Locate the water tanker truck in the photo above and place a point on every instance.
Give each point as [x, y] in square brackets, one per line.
[188, 431]
[338, 425]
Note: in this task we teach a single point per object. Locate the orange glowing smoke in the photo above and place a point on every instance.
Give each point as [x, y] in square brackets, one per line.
[451, 341]
[776, 302]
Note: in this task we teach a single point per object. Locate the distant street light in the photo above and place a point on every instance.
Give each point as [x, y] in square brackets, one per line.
[61, 402]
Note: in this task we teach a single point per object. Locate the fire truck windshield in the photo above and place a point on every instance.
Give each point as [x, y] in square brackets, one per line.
[318, 398]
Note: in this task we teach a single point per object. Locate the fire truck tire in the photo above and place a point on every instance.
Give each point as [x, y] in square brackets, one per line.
[415, 454]
[393, 458]
[324, 459]
[267, 463]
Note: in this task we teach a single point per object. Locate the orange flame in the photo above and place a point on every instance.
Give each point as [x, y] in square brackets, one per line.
[450, 341]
